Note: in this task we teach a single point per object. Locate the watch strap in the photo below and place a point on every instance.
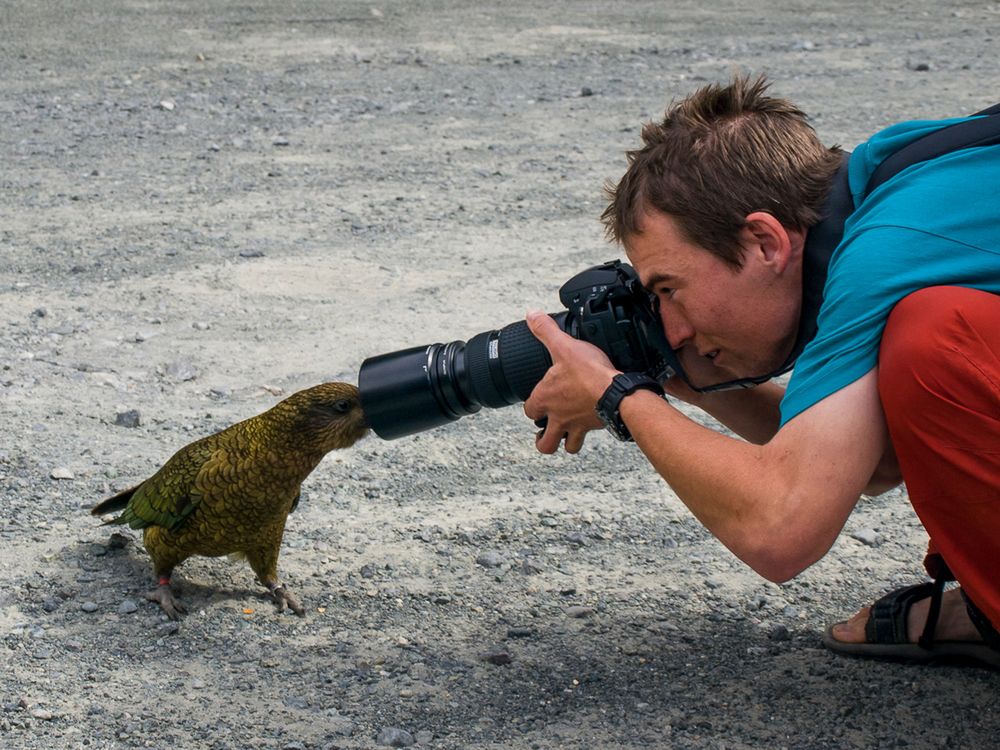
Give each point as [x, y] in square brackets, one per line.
[609, 406]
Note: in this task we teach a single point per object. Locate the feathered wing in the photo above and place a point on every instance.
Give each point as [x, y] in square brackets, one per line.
[170, 496]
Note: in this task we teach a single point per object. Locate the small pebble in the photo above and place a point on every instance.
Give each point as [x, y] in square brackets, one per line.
[181, 370]
[520, 632]
[393, 737]
[61, 472]
[868, 537]
[127, 607]
[491, 559]
[89, 607]
[579, 611]
[779, 633]
[498, 656]
[128, 418]
[168, 628]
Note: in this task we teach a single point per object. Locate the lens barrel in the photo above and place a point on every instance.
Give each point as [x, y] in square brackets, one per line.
[416, 389]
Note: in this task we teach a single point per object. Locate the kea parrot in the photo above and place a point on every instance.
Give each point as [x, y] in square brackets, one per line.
[230, 493]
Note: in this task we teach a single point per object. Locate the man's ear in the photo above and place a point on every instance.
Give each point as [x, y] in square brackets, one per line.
[774, 244]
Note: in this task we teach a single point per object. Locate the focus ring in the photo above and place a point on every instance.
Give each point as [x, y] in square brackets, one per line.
[524, 358]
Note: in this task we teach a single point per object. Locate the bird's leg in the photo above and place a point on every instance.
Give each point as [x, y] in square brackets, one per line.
[285, 598]
[163, 596]
[265, 564]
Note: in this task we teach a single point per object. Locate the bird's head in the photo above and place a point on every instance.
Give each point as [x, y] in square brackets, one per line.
[328, 415]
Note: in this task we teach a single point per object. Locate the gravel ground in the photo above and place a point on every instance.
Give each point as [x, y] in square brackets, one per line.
[207, 205]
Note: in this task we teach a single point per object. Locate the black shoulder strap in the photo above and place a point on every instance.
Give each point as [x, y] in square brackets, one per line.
[984, 131]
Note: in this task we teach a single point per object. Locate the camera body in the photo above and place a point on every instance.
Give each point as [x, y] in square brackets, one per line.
[416, 389]
[609, 308]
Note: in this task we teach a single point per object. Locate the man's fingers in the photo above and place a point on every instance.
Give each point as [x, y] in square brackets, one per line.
[574, 442]
[545, 443]
[543, 327]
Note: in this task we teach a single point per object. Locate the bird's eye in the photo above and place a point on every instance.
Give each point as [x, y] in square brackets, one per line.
[342, 406]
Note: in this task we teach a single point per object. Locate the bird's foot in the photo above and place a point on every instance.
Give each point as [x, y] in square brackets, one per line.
[285, 598]
[163, 596]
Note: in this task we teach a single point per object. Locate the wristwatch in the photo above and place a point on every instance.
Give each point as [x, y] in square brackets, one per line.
[609, 405]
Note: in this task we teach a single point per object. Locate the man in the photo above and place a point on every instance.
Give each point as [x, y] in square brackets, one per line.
[899, 377]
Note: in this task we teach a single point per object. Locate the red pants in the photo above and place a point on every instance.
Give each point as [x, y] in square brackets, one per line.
[939, 381]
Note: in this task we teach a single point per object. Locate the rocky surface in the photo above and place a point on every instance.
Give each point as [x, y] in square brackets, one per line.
[206, 206]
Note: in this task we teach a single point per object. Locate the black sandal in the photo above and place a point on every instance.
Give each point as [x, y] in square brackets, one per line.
[886, 634]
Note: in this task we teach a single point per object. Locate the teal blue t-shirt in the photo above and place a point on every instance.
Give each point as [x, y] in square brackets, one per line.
[935, 223]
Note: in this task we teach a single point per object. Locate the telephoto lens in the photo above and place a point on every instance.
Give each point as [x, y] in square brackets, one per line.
[416, 389]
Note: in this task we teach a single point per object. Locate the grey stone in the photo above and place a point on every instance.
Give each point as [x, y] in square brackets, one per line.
[394, 737]
[128, 418]
[181, 370]
[868, 537]
[491, 559]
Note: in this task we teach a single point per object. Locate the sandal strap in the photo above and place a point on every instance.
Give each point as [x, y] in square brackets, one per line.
[887, 618]
[926, 639]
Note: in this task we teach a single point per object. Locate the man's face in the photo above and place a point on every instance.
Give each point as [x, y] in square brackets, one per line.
[727, 323]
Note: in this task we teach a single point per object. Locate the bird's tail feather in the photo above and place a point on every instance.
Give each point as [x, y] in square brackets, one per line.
[114, 503]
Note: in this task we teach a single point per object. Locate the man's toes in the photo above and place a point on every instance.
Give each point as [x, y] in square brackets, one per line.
[852, 630]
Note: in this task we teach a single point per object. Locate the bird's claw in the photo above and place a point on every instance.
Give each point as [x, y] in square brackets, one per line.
[283, 597]
[163, 596]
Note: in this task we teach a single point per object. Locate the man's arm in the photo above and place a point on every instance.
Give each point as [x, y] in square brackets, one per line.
[755, 415]
[752, 413]
[778, 506]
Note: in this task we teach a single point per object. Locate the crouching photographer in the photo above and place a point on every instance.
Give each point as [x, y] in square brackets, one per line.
[754, 249]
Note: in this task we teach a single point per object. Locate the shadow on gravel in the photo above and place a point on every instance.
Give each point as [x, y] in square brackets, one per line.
[727, 684]
[116, 569]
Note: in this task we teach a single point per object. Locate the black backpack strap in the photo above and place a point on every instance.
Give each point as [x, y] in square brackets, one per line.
[984, 131]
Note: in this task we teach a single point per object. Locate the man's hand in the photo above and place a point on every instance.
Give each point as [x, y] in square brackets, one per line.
[568, 393]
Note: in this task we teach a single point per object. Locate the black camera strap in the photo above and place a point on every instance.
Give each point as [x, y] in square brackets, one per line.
[824, 237]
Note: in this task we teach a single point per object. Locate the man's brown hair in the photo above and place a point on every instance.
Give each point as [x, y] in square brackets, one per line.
[719, 155]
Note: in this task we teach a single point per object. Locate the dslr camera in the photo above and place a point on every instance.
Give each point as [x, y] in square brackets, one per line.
[415, 389]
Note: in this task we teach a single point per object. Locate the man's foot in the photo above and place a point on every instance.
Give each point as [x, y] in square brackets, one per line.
[953, 623]
[893, 627]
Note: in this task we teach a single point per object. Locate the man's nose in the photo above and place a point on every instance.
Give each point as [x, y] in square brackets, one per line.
[676, 327]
